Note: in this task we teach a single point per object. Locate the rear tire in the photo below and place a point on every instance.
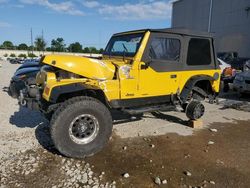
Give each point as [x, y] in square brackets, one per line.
[195, 110]
[81, 127]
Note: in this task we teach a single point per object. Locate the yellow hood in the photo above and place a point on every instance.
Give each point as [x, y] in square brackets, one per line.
[87, 67]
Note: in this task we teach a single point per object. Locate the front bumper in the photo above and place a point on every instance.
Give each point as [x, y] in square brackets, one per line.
[15, 87]
[30, 97]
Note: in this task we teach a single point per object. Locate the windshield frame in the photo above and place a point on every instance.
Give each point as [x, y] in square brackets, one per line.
[108, 48]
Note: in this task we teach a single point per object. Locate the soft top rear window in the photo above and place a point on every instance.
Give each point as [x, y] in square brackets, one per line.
[199, 52]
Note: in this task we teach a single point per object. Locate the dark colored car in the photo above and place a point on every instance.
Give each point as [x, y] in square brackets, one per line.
[238, 63]
[29, 63]
[233, 59]
[227, 56]
[13, 60]
[25, 73]
[242, 82]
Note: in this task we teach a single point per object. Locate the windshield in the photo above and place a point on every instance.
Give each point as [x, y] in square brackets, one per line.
[124, 45]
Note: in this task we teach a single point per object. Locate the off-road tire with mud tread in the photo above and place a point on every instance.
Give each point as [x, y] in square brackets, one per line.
[195, 110]
[61, 120]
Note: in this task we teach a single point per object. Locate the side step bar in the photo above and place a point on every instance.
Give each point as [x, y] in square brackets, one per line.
[139, 110]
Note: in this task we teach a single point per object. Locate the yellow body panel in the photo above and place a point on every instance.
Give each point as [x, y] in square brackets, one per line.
[54, 83]
[154, 83]
[144, 42]
[111, 88]
[87, 67]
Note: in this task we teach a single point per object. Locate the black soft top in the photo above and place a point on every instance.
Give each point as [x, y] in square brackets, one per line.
[178, 31]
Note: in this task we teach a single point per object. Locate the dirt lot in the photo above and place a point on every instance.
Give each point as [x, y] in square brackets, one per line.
[159, 147]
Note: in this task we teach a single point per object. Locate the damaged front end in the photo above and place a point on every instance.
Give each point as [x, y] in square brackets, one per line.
[59, 77]
[30, 96]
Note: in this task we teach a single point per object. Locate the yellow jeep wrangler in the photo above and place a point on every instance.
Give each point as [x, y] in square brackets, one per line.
[140, 71]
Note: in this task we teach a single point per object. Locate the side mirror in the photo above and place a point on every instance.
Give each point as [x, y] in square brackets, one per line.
[148, 59]
[146, 63]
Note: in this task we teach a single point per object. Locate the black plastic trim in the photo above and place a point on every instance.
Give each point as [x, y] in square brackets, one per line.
[66, 89]
[139, 102]
[179, 31]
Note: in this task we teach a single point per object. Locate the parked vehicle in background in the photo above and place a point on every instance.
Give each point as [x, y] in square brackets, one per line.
[25, 73]
[233, 59]
[247, 66]
[227, 56]
[16, 60]
[239, 63]
[227, 75]
[236, 65]
[223, 65]
[30, 63]
[12, 60]
[242, 80]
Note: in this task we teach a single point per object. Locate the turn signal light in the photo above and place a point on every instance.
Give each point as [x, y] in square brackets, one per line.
[46, 90]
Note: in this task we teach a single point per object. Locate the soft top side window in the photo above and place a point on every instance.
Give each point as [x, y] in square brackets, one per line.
[162, 48]
[199, 52]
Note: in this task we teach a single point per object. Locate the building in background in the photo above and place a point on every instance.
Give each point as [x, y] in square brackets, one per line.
[229, 20]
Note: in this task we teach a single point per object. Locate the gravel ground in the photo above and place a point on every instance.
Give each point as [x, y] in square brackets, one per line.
[28, 158]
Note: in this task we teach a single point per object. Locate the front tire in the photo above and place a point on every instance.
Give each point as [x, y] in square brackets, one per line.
[81, 127]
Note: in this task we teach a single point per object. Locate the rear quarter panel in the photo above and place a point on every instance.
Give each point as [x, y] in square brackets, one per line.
[184, 76]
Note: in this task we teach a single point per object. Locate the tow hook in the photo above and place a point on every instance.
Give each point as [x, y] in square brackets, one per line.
[21, 100]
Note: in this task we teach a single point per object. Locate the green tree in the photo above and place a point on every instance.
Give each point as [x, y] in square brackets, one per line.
[48, 49]
[93, 50]
[30, 48]
[22, 46]
[75, 47]
[22, 55]
[8, 45]
[101, 50]
[12, 55]
[31, 55]
[86, 50]
[58, 45]
[40, 44]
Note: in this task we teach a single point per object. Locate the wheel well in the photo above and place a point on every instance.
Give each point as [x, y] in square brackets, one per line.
[205, 85]
[97, 94]
[199, 84]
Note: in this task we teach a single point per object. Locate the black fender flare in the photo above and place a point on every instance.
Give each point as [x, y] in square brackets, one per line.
[69, 88]
[191, 83]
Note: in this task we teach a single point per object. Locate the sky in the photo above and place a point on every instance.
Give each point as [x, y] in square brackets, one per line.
[89, 22]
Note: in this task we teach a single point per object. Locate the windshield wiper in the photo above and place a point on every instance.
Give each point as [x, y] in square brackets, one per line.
[125, 51]
[112, 49]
